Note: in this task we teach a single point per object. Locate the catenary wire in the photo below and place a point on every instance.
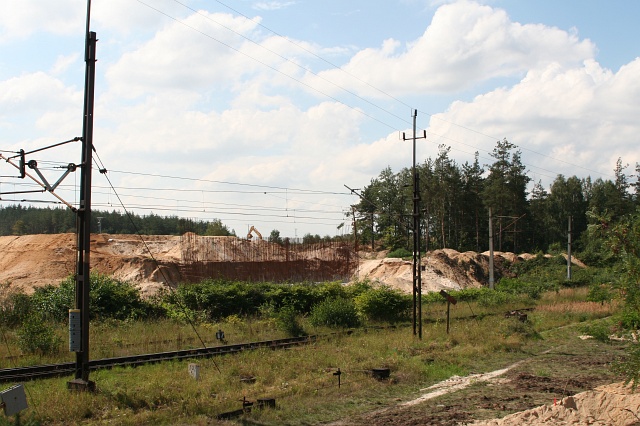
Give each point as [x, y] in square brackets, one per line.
[155, 261]
[337, 85]
[359, 111]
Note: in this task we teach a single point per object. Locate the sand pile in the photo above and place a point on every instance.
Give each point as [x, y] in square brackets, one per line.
[606, 405]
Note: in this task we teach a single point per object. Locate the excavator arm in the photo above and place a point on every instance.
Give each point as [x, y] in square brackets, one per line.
[253, 229]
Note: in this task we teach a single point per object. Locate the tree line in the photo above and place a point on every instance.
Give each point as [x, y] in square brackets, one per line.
[22, 220]
[456, 201]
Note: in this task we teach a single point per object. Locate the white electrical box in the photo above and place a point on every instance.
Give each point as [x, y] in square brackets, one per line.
[14, 400]
[75, 331]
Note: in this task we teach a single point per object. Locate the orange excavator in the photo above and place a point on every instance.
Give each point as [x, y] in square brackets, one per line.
[253, 229]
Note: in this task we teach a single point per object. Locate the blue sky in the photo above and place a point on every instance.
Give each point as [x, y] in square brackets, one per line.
[259, 112]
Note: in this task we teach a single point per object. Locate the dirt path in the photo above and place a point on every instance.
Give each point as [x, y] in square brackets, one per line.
[457, 383]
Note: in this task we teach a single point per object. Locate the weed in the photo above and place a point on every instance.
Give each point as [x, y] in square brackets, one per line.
[338, 313]
[36, 337]
[287, 321]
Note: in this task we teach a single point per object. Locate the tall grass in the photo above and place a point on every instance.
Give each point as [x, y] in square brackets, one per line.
[302, 379]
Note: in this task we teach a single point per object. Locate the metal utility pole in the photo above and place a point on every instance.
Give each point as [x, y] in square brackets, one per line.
[83, 222]
[417, 268]
[355, 230]
[569, 248]
[491, 280]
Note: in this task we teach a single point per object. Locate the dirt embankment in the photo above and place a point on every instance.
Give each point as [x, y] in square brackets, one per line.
[445, 269]
[30, 261]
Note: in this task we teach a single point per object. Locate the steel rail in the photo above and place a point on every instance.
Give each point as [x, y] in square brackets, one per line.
[20, 374]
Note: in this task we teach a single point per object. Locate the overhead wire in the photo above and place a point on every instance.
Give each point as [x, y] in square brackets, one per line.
[359, 111]
[307, 191]
[305, 84]
[388, 95]
[153, 258]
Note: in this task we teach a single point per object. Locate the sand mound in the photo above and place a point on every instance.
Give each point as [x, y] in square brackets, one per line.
[612, 404]
[30, 261]
[445, 269]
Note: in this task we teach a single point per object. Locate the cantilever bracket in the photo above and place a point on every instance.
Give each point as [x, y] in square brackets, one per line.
[33, 165]
[45, 186]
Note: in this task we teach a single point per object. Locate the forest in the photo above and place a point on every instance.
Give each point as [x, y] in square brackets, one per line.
[455, 201]
[20, 220]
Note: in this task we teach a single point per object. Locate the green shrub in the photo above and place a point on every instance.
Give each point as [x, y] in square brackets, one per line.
[337, 313]
[629, 367]
[111, 298]
[467, 294]
[384, 304]
[15, 307]
[357, 288]
[629, 318]
[600, 293]
[401, 253]
[54, 302]
[494, 298]
[287, 321]
[598, 330]
[36, 337]
[515, 286]
[108, 298]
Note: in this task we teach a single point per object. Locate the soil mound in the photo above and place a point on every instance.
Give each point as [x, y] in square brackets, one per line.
[612, 404]
[445, 269]
[30, 261]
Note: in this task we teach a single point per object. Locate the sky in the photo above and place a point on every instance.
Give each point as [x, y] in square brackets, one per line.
[264, 113]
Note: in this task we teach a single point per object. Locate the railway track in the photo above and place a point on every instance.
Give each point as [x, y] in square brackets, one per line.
[21, 374]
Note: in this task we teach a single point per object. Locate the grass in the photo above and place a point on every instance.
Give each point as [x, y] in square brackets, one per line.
[302, 379]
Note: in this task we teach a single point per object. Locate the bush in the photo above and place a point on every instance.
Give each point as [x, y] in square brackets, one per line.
[108, 298]
[600, 293]
[15, 307]
[287, 321]
[629, 318]
[337, 313]
[36, 337]
[599, 331]
[384, 304]
[493, 298]
[629, 367]
[54, 302]
[401, 253]
[515, 286]
[111, 298]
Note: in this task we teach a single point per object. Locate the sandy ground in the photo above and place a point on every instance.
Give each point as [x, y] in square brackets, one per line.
[607, 405]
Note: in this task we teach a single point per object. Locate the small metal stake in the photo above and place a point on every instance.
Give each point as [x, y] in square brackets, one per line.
[338, 373]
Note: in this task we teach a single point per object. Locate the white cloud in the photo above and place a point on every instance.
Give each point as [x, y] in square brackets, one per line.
[465, 44]
[580, 119]
[37, 94]
[273, 5]
[202, 101]
[133, 18]
[20, 19]
[63, 62]
[179, 58]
